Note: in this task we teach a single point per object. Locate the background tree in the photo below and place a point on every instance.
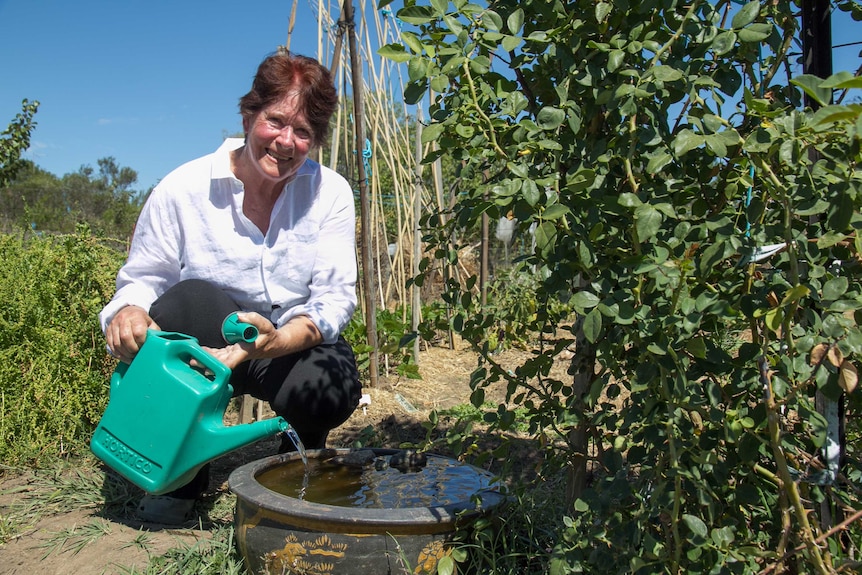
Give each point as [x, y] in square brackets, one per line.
[15, 140]
[105, 201]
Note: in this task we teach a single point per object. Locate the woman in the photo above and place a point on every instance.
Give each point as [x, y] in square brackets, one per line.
[256, 227]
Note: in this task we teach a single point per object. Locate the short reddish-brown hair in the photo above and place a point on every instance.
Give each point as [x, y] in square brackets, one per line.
[281, 73]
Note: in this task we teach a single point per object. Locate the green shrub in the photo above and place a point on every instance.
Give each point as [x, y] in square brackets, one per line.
[393, 339]
[680, 198]
[54, 371]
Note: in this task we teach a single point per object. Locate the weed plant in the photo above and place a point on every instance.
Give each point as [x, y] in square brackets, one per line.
[54, 371]
[215, 555]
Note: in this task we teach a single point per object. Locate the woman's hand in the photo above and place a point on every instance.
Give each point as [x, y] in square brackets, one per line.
[296, 335]
[127, 332]
[236, 353]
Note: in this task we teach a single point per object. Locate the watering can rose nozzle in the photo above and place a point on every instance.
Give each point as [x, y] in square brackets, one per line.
[235, 331]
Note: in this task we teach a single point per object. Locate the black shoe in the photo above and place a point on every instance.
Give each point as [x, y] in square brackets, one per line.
[175, 507]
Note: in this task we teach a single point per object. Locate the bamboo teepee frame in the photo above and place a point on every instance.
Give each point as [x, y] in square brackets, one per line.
[373, 133]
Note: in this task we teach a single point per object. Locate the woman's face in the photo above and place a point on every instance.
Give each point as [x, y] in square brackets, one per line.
[278, 139]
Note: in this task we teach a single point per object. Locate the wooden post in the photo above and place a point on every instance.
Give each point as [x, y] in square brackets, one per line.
[817, 61]
[417, 236]
[484, 261]
[364, 203]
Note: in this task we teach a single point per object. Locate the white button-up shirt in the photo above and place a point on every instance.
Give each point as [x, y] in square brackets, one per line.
[192, 227]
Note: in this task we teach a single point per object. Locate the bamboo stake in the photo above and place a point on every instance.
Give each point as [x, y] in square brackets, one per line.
[320, 12]
[291, 24]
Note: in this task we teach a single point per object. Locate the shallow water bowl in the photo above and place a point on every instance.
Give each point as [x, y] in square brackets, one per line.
[366, 515]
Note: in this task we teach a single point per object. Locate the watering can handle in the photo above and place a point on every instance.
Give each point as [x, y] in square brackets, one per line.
[197, 353]
[186, 348]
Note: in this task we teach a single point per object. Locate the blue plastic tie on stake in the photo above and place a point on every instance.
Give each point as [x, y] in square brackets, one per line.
[366, 157]
[388, 12]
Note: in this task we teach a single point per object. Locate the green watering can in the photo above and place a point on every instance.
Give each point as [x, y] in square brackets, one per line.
[164, 419]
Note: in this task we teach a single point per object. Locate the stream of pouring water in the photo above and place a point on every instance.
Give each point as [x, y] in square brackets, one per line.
[297, 442]
[294, 437]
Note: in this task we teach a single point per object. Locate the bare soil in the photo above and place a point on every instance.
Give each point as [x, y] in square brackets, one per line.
[93, 539]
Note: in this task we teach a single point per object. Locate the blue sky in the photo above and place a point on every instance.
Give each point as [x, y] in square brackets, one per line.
[152, 83]
[155, 83]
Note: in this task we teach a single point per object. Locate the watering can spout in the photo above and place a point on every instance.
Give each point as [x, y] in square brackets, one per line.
[213, 441]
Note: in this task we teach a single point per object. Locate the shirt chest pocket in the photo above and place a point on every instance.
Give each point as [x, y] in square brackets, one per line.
[300, 256]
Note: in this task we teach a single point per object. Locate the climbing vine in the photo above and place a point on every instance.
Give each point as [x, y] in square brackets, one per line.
[702, 224]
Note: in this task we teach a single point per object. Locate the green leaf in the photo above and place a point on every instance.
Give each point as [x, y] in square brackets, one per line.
[755, 33]
[658, 161]
[830, 239]
[686, 141]
[431, 132]
[666, 73]
[828, 115]
[453, 24]
[555, 212]
[416, 15]
[811, 85]
[843, 81]
[515, 21]
[580, 181]
[648, 221]
[696, 525]
[696, 347]
[459, 554]
[492, 21]
[480, 65]
[415, 91]
[531, 192]
[774, 318]
[715, 144]
[730, 137]
[835, 288]
[466, 131]
[584, 300]
[412, 41]
[711, 256]
[724, 42]
[440, 83]
[603, 9]
[615, 60]
[759, 141]
[550, 118]
[417, 69]
[445, 566]
[394, 52]
[746, 15]
[546, 238]
[593, 326]
[509, 44]
[440, 6]
[722, 537]
[629, 200]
